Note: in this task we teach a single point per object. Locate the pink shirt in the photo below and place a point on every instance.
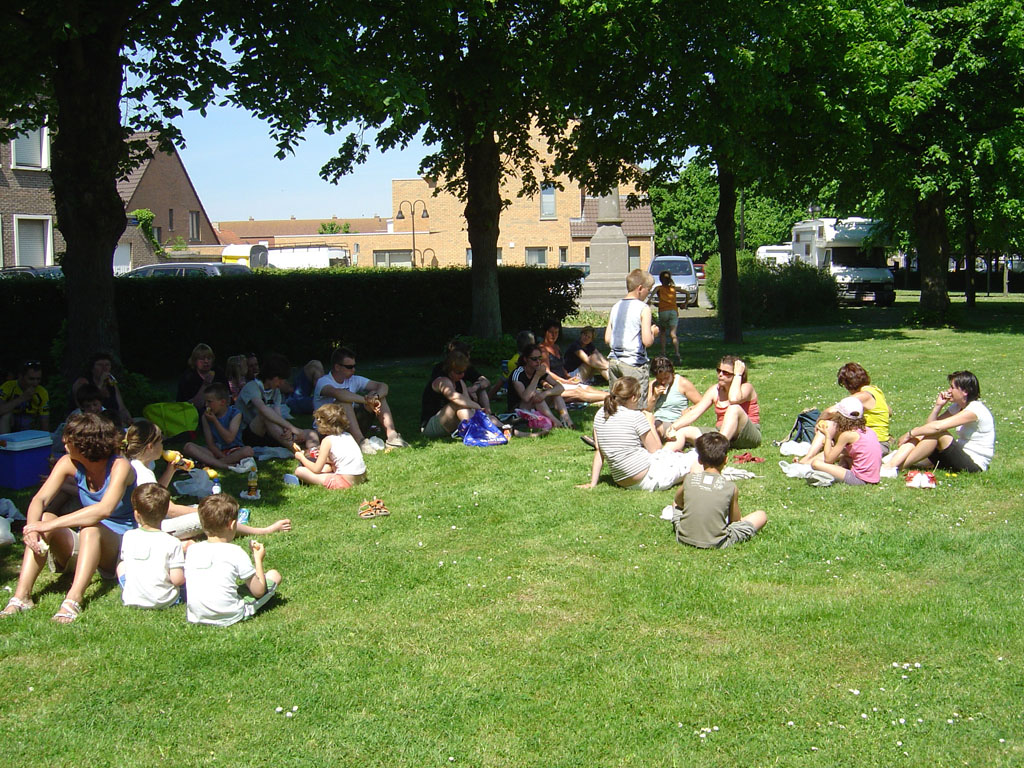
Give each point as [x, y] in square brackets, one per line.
[865, 456]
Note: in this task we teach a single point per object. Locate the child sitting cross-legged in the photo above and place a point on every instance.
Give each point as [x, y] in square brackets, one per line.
[144, 444]
[152, 566]
[707, 508]
[339, 464]
[214, 569]
[222, 430]
[854, 457]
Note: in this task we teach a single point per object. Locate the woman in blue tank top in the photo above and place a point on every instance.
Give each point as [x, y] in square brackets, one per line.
[89, 538]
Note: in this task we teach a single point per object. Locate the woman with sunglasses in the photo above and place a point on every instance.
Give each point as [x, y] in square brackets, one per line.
[531, 387]
[737, 413]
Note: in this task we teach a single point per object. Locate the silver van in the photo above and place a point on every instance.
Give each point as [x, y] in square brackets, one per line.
[683, 275]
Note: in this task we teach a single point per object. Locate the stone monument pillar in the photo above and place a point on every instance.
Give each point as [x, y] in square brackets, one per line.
[609, 257]
[609, 250]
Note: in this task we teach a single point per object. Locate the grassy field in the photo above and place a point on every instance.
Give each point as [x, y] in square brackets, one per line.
[502, 617]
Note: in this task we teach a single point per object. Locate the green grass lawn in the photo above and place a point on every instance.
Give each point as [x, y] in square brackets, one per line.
[502, 617]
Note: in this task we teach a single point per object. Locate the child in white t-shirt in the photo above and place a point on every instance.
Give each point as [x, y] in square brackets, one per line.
[339, 464]
[143, 445]
[152, 562]
[224, 587]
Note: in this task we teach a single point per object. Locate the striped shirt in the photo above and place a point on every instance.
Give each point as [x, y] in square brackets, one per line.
[620, 438]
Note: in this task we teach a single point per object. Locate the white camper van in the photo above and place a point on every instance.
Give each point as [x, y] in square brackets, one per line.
[838, 246]
[775, 254]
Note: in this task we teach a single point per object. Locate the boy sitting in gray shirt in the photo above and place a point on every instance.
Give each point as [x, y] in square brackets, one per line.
[706, 513]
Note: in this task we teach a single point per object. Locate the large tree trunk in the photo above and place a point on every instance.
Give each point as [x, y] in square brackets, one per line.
[87, 150]
[932, 255]
[483, 213]
[725, 224]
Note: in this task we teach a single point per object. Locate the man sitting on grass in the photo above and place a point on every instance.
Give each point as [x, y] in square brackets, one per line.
[362, 398]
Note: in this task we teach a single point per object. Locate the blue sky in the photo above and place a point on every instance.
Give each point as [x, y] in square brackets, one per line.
[230, 158]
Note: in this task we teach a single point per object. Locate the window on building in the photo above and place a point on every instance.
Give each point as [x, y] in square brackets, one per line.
[563, 254]
[170, 219]
[31, 150]
[536, 257]
[392, 258]
[32, 241]
[469, 257]
[158, 234]
[193, 226]
[634, 257]
[586, 254]
[547, 201]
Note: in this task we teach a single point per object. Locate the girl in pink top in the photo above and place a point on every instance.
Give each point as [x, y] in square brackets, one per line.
[854, 456]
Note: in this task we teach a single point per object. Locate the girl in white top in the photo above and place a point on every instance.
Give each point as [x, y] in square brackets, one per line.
[143, 445]
[339, 463]
[625, 438]
[970, 450]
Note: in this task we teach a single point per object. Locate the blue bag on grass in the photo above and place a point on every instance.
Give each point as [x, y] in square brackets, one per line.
[478, 430]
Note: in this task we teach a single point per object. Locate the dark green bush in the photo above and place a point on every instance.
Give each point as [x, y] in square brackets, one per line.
[777, 294]
[302, 314]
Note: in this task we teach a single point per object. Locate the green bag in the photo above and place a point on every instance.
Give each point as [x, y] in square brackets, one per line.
[173, 418]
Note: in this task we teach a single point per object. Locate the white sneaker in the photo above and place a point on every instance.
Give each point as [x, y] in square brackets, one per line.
[367, 447]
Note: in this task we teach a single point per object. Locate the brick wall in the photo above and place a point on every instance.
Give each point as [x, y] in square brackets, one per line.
[165, 186]
[27, 193]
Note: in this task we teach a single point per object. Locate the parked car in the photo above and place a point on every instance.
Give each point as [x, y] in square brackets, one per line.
[683, 275]
[699, 271]
[584, 268]
[51, 273]
[189, 269]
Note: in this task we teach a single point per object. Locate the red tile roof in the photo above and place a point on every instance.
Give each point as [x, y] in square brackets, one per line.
[636, 222]
[269, 228]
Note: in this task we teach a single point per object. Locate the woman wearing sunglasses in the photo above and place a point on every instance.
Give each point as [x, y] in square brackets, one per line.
[737, 413]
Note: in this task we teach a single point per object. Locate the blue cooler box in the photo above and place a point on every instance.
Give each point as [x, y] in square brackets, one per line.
[24, 458]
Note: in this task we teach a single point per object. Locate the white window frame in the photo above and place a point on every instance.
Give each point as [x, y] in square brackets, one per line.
[543, 255]
[547, 195]
[48, 255]
[469, 257]
[44, 151]
[386, 253]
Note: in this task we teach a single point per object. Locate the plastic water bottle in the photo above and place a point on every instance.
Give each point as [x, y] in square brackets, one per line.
[254, 483]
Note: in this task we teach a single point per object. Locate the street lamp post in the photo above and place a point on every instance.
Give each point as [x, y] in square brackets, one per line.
[412, 215]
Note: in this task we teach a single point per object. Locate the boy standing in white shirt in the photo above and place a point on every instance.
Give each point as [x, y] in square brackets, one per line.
[214, 568]
[152, 562]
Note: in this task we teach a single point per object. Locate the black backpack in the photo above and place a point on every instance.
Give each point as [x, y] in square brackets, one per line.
[803, 427]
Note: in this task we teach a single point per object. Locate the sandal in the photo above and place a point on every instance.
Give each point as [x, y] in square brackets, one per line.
[17, 605]
[68, 612]
[374, 508]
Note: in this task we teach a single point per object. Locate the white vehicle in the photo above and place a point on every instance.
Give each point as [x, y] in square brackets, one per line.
[838, 245]
[776, 254]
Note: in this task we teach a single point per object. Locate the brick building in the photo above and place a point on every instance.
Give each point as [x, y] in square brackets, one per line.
[28, 216]
[550, 229]
[27, 233]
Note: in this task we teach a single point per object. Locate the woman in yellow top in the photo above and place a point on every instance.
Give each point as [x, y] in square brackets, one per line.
[668, 311]
[877, 413]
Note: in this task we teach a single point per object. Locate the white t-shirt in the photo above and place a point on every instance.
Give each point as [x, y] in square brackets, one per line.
[253, 391]
[143, 473]
[978, 437]
[148, 558]
[212, 573]
[353, 383]
[346, 456]
[627, 332]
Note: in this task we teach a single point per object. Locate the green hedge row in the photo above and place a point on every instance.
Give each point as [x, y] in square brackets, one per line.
[302, 314]
[777, 294]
